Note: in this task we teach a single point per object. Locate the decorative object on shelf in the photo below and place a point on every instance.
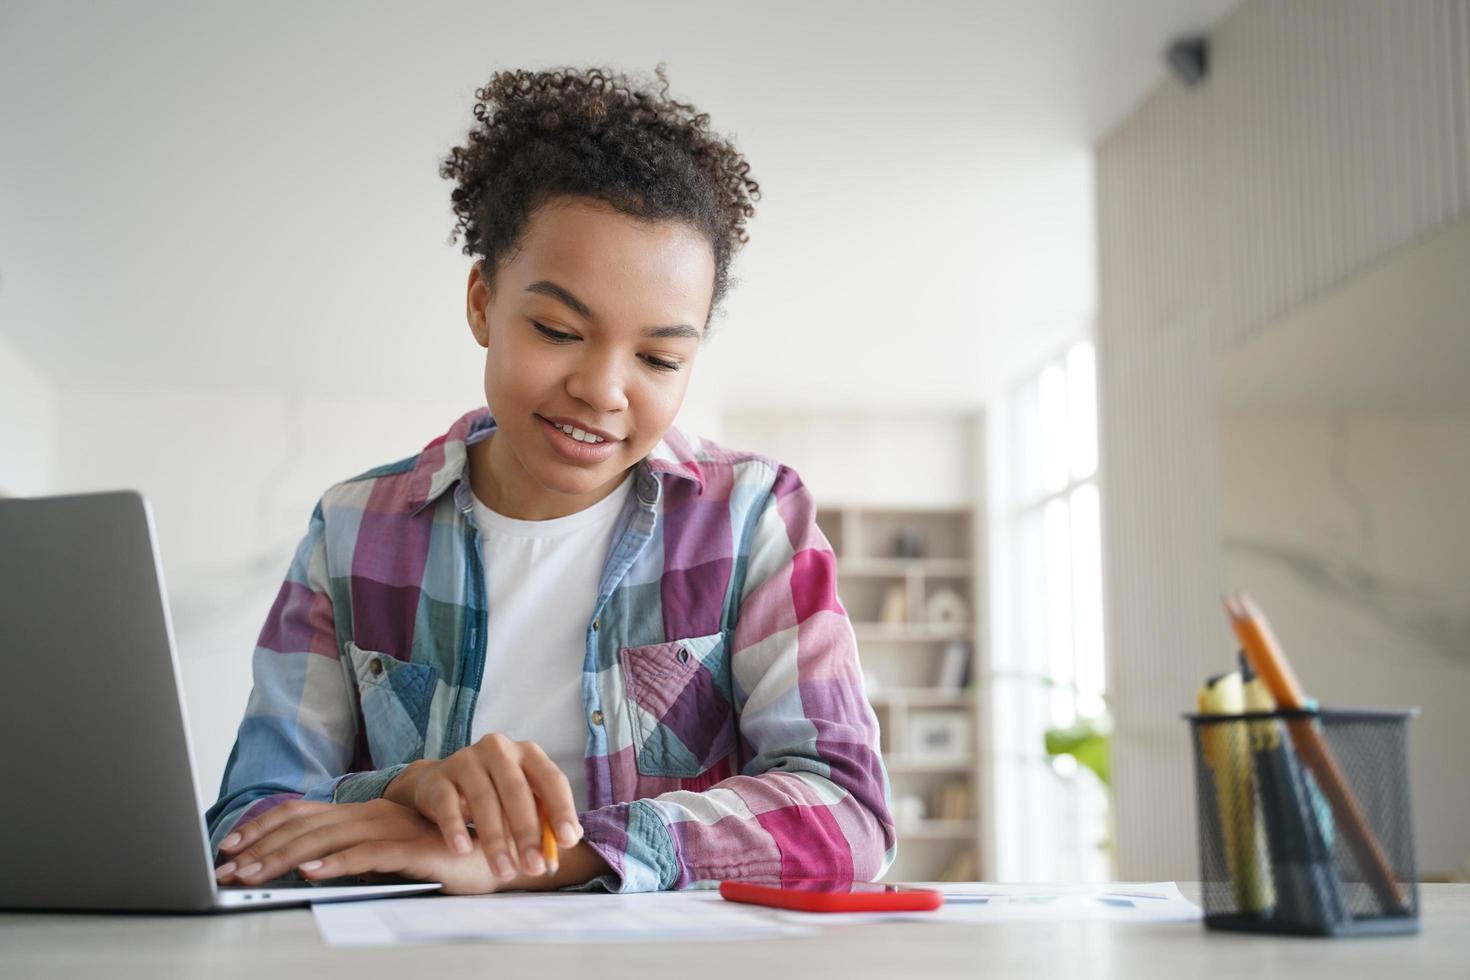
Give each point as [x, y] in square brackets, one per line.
[952, 801]
[947, 607]
[895, 604]
[954, 666]
[908, 810]
[943, 733]
[961, 867]
[908, 544]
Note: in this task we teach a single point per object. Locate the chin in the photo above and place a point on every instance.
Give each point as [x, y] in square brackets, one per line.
[570, 480]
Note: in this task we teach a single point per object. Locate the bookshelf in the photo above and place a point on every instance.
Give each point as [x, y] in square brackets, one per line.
[911, 582]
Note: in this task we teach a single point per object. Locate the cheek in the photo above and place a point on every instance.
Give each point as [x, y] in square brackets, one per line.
[656, 404]
[511, 374]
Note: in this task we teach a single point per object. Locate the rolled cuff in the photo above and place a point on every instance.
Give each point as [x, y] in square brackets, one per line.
[636, 844]
[359, 787]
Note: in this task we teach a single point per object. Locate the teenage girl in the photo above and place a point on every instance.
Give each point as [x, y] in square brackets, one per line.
[564, 611]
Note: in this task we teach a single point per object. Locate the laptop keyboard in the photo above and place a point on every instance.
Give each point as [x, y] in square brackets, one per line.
[280, 884]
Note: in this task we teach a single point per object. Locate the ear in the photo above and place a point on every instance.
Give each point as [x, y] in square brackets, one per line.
[478, 294]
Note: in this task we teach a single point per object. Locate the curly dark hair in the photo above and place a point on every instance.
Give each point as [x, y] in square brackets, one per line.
[593, 133]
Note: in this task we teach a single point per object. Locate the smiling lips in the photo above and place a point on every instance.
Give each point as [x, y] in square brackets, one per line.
[578, 445]
[580, 432]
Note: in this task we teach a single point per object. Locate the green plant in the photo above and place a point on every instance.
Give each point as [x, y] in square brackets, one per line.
[1089, 741]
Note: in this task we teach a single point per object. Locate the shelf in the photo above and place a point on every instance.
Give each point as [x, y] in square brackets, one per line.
[913, 632]
[957, 509]
[899, 763]
[946, 549]
[938, 830]
[923, 697]
[900, 567]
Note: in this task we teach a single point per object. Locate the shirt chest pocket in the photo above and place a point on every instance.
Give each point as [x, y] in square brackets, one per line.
[395, 698]
[679, 697]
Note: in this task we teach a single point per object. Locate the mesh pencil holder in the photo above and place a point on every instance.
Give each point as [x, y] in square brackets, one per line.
[1304, 822]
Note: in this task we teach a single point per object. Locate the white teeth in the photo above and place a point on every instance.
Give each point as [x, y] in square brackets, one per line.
[579, 435]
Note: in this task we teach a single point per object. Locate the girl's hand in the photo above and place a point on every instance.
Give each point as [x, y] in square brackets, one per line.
[376, 836]
[496, 782]
[423, 856]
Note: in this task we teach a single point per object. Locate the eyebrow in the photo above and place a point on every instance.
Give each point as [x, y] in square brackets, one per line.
[558, 292]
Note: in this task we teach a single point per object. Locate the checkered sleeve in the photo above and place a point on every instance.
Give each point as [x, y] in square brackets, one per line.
[296, 738]
[813, 799]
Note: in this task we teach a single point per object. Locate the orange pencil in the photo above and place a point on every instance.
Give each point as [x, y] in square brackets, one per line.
[1270, 664]
[548, 838]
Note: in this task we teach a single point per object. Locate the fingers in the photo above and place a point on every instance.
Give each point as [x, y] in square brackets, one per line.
[419, 855]
[484, 804]
[253, 861]
[519, 807]
[461, 789]
[442, 805]
[251, 831]
[554, 791]
[359, 859]
[325, 838]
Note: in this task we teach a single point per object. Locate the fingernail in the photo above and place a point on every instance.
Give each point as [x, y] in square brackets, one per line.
[504, 866]
[461, 843]
[568, 833]
[250, 871]
[533, 862]
[230, 841]
[310, 865]
[224, 869]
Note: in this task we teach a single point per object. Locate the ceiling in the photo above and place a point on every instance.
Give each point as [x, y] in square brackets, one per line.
[247, 194]
[1394, 339]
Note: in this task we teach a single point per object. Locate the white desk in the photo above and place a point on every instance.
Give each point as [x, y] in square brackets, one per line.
[282, 944]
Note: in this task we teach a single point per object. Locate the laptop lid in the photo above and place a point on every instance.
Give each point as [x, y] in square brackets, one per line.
[92, 715]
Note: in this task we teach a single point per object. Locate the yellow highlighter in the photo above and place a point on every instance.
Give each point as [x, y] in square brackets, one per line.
[1227, 751]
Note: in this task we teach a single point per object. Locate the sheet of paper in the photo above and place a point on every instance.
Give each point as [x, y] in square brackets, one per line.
[556, 917]
[981, 902]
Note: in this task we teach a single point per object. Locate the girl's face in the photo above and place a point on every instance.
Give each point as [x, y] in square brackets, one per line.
[595, 323]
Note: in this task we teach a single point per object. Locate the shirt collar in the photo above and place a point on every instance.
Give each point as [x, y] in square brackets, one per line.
[444, 462]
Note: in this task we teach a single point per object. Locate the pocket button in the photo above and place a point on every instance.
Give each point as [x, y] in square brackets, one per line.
[375, 666]
[596, 717]
[683, 655]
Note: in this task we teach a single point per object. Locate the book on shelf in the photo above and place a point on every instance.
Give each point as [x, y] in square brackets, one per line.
[951, 801]
[961, 867]
[954, 666]
[895, 605]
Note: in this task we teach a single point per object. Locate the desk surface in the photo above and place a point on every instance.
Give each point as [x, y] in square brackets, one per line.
[280, 944]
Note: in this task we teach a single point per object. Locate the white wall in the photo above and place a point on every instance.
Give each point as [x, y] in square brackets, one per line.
[1352, 530]
[232, 477]
[1326, 136]
[906, 459]
[27, 424]
[270, 212]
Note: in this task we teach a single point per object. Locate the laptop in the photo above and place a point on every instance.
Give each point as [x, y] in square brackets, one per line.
[101, 807]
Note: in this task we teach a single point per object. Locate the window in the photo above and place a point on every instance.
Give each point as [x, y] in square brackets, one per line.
[1046, 663]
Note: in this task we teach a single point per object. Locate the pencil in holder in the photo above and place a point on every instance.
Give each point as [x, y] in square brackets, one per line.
[1304, 822]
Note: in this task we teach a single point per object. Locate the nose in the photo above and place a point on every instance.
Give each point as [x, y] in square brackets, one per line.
[597, 380]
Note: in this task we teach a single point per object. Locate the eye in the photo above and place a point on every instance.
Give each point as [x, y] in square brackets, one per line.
[555, 335]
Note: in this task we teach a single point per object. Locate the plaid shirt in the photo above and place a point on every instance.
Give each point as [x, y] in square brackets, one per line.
[727, 731]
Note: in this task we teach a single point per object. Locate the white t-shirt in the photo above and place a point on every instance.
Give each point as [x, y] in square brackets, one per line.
[541, 581]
